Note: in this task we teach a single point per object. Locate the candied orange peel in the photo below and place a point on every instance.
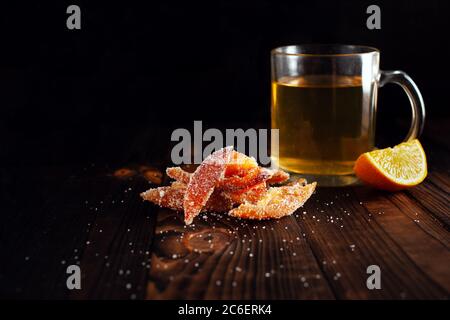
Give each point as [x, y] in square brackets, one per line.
[229, 181]
[203, 181]
[276, 202]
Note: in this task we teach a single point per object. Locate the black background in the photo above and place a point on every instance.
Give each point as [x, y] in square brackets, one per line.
[139, 70]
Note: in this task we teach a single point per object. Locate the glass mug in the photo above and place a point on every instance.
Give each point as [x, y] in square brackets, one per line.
[324, 103]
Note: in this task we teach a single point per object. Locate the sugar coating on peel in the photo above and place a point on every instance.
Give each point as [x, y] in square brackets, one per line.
[276, 203]
[252, 194]
[203, 181]
[227, 179]
[233, 183]
[178, 174]
[278, 176]
[172, 197]
[240, 164]
[253, 177]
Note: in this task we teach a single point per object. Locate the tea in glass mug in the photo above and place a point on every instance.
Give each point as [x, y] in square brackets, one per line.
[324, 100]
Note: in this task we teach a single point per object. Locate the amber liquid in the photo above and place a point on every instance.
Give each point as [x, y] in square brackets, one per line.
[325, 123]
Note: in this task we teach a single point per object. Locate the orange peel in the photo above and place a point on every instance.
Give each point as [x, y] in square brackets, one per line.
[172, 197]
[276, 203]
[240, 164]
[203, 181]
[178, 174]
[252, 194]
[228, 181]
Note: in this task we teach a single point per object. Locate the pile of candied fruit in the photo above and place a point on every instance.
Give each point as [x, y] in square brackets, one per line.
[229, 181]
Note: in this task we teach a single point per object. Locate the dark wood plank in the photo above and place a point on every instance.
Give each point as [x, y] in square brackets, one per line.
[420, 238]
[347, 239]
[220, 257]
[433, 195]
[419, 214]
[34, 245]
[83, 219]
[340, 238]
[115, 256]
[94, 217]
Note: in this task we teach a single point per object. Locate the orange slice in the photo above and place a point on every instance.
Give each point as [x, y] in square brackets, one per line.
[397, 168]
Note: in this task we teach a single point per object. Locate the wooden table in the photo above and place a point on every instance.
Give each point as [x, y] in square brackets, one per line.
[93, 216]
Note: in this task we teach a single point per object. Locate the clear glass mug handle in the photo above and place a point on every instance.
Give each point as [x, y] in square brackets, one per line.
[415, 98]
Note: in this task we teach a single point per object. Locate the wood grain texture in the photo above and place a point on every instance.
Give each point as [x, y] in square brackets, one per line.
[322, 251]
[90, 218]
[415, 238]
[347, 238]
[129, 249]
[221, 257]
[433, 196]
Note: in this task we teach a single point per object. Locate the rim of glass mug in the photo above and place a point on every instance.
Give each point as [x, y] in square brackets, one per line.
[324, 50]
